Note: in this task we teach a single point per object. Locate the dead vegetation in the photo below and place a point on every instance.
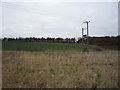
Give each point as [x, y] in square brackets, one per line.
[0, 69]
[60, 69]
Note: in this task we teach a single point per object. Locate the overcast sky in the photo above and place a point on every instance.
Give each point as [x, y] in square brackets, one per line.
[58, 19]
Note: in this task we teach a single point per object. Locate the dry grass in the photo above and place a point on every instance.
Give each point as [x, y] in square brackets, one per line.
[0, 69]
[60, 69]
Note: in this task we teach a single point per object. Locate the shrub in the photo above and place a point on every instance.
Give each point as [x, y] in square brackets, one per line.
[19, 48]
[85, 49]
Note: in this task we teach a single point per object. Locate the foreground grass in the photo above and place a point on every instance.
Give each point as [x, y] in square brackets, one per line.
[0, 69]
[60, 69]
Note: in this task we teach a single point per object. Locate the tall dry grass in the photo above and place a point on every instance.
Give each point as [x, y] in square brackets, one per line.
[0, 69]
[60, 69]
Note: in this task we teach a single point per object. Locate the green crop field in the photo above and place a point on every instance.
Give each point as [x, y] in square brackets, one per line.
[37, 46]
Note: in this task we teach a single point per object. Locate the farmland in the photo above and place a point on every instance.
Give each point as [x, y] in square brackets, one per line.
[58, 65]
[38, 46]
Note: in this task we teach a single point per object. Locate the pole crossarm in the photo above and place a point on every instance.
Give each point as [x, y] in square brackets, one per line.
[86, 22]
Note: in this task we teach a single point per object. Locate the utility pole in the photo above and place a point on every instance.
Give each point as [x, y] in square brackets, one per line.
[82, 32]
[87, 30]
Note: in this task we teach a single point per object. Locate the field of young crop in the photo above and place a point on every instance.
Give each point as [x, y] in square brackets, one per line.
[38, 46]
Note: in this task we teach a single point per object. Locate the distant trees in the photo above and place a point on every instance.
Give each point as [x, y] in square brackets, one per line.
[102, 41]
[107, 41]
[48, 39]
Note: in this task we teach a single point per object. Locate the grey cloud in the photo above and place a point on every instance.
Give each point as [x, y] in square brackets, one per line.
[58, 19]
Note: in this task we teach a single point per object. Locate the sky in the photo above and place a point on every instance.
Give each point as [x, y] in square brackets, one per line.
[58, 19]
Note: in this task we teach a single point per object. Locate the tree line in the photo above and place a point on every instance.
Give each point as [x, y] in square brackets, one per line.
[106, 40]
[48, 39]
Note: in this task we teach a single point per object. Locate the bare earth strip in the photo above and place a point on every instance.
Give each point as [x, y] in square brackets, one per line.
[60, 69]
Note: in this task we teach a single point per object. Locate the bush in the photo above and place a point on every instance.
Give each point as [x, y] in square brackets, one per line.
[97, 49]
[19, 48]
[85, 49]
